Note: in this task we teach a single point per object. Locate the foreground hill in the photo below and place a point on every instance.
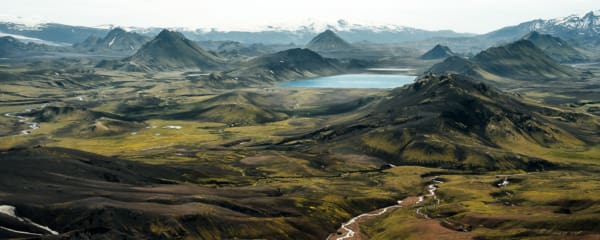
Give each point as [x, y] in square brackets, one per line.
[81, 195]
[166, 52]
[328, 41]
[117, 40]
[453, 121]
[281, 66]
[438, 52]
[554, 47]
[520, 60]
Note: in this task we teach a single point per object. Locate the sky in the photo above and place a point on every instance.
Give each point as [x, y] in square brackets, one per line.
[474, 16]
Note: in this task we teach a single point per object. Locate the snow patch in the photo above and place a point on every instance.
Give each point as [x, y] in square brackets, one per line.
[112, 41]
[32, 40]
[504, 183]
[585, 22]
[10, 211]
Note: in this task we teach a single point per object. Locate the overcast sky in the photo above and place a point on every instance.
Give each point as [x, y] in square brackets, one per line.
[476, 16]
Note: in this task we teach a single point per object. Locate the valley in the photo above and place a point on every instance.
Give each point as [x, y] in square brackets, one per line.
[129, 136]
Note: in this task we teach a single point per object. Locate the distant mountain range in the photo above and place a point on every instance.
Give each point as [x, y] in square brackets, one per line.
[271, 35]
[584, 30]
[117, 40]
[303, 34]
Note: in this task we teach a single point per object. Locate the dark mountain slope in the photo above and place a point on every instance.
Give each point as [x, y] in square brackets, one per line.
[171, 50]
[558, 49]
[520, 60]
[82, 195]
[453, 121]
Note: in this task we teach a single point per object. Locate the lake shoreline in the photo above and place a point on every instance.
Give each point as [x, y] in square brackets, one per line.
[363, 80]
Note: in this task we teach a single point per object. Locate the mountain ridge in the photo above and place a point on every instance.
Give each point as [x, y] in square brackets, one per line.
[555, 47]
[168, 51]
[269, 34]
[520, 60]
[117, 40]
[584, 29]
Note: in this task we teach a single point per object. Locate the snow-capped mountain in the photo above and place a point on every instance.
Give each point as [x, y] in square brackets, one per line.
[31, 40]
[299, 34]
[588, 22]
[583, 29]
[21, 23]
[340, 25]
[52, 32]
[352, 32]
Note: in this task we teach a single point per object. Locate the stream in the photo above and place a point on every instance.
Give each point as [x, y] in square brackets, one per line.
[351, 229]
[26, 120]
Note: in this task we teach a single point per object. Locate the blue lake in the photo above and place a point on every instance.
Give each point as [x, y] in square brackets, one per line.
[353, 81]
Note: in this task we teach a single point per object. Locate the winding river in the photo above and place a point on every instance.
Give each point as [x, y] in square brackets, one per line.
[26, 120]
[351, 230]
